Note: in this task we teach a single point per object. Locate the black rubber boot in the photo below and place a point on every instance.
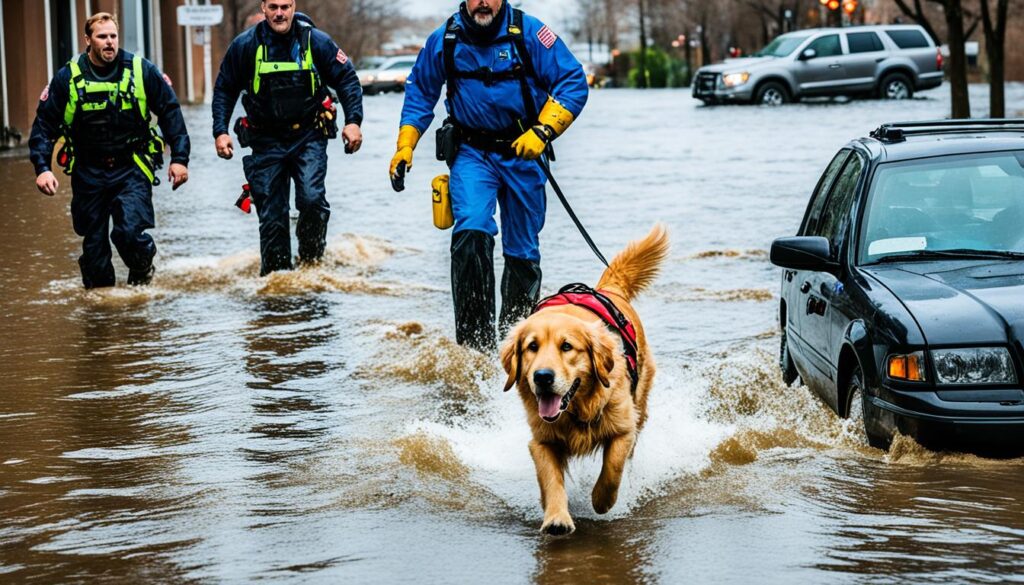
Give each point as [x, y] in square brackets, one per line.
[141, 277]
[520, 290]
[473, 289]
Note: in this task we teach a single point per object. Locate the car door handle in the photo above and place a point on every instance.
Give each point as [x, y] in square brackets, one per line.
[789, 275]
[806, 286]
[834, 66]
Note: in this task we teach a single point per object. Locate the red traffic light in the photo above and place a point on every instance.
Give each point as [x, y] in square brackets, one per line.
[833, 4]
[850, 6]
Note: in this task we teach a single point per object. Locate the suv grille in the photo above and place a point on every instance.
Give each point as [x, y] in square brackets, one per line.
[705, 84]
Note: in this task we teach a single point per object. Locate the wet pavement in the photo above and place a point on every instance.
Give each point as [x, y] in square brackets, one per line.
[323, 426]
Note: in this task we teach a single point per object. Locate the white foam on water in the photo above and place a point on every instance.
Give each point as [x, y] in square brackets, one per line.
[674, 442]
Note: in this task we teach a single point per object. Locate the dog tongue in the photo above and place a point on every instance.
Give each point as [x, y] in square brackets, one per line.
[548, 405]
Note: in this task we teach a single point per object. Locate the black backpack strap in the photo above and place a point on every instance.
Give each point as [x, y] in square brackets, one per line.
[451, 37]
[515, 32]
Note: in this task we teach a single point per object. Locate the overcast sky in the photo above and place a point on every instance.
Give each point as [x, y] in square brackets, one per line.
[552, 12]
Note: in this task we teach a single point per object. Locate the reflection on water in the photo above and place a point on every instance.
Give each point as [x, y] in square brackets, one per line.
[321, 425]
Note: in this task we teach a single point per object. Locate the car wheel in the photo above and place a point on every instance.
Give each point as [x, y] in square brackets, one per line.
[789, 373]
[862, 413]
[771, 94]
[896, 86]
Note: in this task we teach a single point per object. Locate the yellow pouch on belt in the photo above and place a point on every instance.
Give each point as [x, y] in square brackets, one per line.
[443, 218]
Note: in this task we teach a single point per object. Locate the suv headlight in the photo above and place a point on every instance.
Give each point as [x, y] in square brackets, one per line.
[975, 365]
[734, 79]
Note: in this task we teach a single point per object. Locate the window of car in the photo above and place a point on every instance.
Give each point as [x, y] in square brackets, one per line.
[820, 194]
[908, 38]
[826, 46]
[781, 46]
[961, 202]
[863, 42]
[837, 209]
[404, 64]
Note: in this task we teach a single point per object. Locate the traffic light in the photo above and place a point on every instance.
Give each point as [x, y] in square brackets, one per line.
[849, 6]
[833, 4]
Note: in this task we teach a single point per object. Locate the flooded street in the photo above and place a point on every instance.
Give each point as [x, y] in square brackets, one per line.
[323, 426]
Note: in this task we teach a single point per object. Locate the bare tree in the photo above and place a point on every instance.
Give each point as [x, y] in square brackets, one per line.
[995, 49]
[956, 36]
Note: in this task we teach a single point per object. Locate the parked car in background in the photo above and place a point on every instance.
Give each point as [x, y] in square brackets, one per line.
[388, 74]
[888, 62]
[903, 292]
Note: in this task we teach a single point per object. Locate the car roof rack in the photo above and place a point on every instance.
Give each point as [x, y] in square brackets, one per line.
[898, 131]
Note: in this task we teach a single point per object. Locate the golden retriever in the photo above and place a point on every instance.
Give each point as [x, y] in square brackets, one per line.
[574, 379]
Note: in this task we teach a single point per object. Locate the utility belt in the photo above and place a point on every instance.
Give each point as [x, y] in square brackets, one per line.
[324, 119]
[451, 135]
[148, 155]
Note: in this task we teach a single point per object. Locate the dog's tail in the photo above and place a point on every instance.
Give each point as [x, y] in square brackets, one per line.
[636, 267]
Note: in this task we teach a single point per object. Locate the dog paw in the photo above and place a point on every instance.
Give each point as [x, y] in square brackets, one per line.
[604, 498]
[558, 525]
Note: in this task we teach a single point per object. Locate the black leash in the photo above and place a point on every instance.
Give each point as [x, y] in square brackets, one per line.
[568, 209]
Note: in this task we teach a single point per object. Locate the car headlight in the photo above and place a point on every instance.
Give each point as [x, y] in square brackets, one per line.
[368, 79]
[975, 365]
[734, 79]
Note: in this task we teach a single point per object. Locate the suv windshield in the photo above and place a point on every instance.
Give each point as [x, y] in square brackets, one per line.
[961, 204]
[781, 46]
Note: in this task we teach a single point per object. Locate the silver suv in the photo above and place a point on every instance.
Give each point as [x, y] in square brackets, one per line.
[889, 62]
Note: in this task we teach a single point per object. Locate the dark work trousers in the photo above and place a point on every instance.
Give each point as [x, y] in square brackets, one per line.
[124, 194]
[268, 170]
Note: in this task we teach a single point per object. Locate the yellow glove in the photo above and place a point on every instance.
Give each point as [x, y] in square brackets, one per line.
[408, 136]
[551, 123]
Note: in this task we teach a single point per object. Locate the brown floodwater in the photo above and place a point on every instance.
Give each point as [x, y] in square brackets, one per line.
[322, 425]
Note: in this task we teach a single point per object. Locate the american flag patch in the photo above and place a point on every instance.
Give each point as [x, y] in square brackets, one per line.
[342, 57]
[167, 80]
[46, 93]
[547, 37]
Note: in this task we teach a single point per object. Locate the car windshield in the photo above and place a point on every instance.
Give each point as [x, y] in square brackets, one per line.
[370, 62]
[945, 207]
[781, 46]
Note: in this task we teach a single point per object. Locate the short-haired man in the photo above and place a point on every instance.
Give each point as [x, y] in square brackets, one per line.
[100, 104]
[512, 87]
[285, 65]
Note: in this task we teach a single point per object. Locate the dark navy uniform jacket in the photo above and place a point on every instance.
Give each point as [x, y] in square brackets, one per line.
[160, 99]
[498, 106]
[236, 71]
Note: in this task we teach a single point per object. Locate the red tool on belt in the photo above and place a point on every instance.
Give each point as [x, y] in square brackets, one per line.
[244, 201]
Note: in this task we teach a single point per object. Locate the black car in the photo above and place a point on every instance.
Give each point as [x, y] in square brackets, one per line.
[903, 294]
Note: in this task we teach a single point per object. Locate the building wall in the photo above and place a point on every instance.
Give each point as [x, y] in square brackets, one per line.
[25, 50]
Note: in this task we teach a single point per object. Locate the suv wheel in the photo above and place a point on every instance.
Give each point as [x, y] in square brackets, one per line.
[896, 86]
[862, 413]
[789, 373]
[772, 93]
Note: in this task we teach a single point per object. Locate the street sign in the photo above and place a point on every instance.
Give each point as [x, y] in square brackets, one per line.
[208, 15]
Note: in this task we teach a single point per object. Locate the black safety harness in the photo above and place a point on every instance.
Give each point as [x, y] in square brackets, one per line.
[493, 141]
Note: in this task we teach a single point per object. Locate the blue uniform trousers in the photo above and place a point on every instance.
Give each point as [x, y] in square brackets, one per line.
[481, 180]
[268, 170]
[124, 194]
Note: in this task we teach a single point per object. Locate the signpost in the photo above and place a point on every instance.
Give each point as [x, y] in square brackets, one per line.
[205, 16]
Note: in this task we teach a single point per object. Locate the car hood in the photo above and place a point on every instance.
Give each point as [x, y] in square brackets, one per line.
[960, 302]
[743, 64]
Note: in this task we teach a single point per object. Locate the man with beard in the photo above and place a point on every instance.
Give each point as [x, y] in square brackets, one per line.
[285, 65]
[512, 87]
[100, 104]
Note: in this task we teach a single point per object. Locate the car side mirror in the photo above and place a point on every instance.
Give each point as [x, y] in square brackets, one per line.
[808, 54]
[812, 253]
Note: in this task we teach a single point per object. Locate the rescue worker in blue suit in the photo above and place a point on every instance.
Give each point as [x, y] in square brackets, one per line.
[284, 64]
[100, 104]
[512, 87]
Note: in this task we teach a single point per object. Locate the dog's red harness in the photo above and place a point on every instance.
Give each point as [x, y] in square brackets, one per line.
[591, 299]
